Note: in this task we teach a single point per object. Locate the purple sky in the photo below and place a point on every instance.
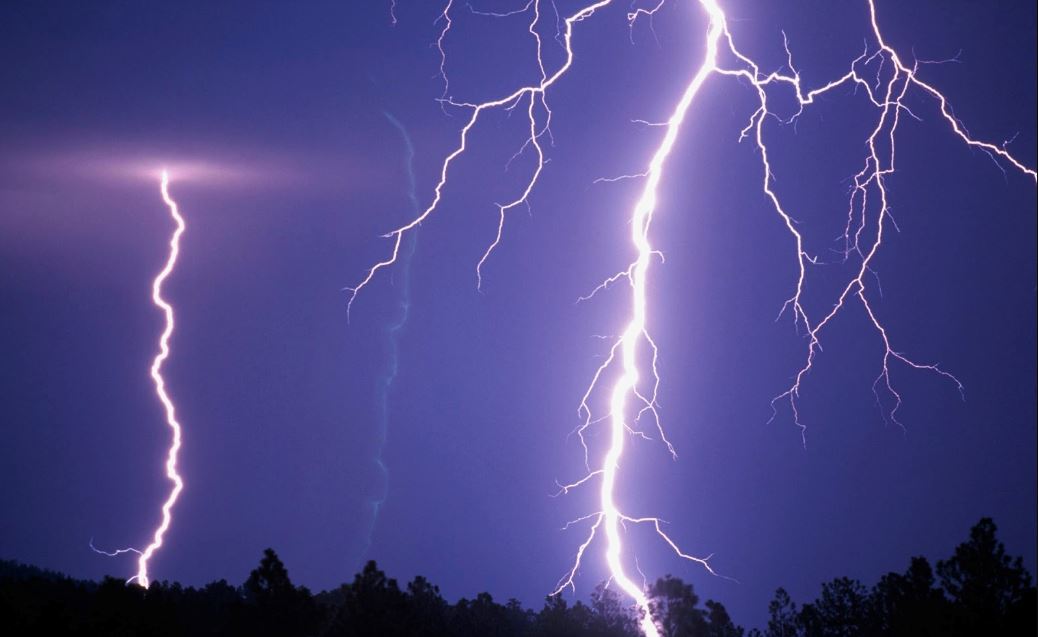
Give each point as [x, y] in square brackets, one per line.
[272, 117]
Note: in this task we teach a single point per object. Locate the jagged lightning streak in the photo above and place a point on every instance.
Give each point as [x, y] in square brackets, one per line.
[535, 94]
[393, 328]
[160, 391]
[160, 387]
[610, 517]
[155, 372]
[878, 165]
[887, 96]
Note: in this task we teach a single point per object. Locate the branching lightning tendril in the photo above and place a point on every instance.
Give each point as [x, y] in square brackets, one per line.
[881, 76]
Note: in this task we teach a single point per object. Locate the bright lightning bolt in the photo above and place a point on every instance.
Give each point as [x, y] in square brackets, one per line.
[888, 81]
[634, 334]
[160, 391]
[160, 387]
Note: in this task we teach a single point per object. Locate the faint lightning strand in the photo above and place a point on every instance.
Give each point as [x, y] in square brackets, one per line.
[393, 329]
[501, 14]
[447, 24]
[115, 553]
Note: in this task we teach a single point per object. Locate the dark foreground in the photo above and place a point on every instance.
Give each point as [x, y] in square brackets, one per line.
[978, 591]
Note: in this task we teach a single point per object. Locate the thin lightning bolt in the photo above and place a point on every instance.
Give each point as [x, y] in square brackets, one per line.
[888, 98]
[115, 553]
[610, 516]
[534, 94]
[160, 387]
[160, 391]
[447, 24]
[882, 76]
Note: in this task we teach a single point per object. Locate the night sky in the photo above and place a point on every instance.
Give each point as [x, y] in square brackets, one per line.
[272, 117]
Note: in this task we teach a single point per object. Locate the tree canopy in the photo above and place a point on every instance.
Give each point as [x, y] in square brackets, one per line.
[977, 591]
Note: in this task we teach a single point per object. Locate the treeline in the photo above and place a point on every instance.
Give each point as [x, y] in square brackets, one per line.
[978, 591]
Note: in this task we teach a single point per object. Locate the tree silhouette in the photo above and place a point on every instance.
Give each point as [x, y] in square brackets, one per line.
[978, 591]
[611, 615]
[841, 611]
[675, 607]
[427, 608]
[991, 593]
[719, 623]
[557, 619]
[982, 592]
[910, 605]
[783, 618]
[278, 607]
[373, 605]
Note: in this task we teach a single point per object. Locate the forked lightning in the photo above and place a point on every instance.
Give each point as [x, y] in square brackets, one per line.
[879, 73]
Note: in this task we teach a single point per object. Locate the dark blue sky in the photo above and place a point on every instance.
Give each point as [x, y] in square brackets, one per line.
[274, 113]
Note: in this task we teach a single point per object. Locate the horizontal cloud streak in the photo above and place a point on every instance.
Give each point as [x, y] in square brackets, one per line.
[223, 168]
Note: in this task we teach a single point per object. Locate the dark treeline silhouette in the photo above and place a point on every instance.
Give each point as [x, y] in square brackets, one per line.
[978, 591]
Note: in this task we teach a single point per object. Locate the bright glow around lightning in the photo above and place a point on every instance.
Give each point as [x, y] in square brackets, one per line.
[879, 74]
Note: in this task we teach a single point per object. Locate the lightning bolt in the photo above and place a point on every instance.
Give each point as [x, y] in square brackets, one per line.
[160, 391]
[887, 96]
[393, 329]
[160, 386]
[879, 73]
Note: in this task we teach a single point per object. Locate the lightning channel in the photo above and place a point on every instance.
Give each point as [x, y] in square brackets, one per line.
[160, 387]
[155, 371]
[172, 474]
[392, 330]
